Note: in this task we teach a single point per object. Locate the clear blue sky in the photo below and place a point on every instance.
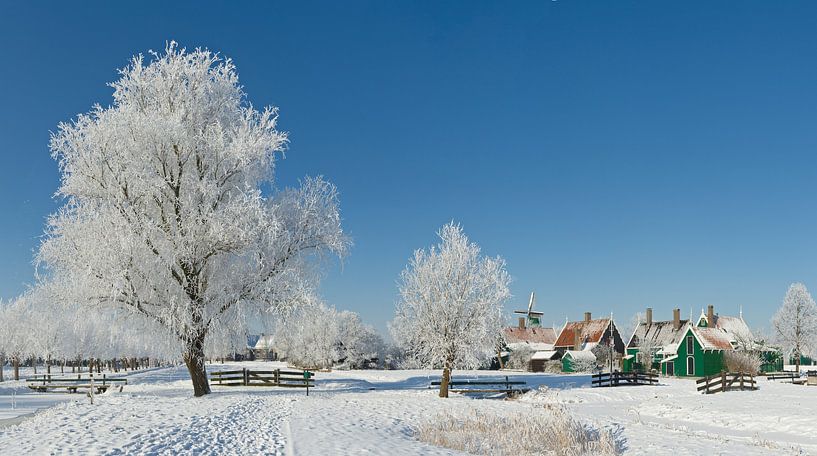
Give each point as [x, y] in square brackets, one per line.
[618, 154]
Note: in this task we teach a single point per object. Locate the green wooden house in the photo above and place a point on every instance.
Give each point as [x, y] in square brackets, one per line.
[699, 353]
[652, 341]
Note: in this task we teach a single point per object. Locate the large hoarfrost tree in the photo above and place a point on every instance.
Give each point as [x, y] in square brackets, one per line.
[795, 323]
[164, 215]
[450, 310]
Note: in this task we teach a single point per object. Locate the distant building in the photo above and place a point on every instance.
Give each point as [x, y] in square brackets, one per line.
[700, 350]
[587, 334]
[263, 348]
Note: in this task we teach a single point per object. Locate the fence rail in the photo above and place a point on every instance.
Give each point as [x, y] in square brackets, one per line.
[727, 381]
[609, 379]
[277, 377]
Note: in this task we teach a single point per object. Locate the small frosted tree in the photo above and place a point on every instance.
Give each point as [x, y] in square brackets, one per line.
[450, 309]
[795, 323]
[165, 219]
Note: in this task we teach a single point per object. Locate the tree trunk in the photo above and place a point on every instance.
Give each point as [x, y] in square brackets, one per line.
[444, 382]
[195, 361]
[48, 365]
[16, 363]
[2, 366]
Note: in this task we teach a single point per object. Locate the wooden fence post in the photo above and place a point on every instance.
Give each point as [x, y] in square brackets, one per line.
[277, 377]
[246, 376]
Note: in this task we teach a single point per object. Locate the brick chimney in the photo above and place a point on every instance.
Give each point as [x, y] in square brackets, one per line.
[521, 322]
[710, 316]
[587, 316]
[649, 316]
[577, 339]
[676, 319]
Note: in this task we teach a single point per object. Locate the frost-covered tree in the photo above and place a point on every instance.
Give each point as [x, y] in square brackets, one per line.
[360, 344]
[308, 337]
[450, 311]
[17, 343]
[165, 219]
[795, 323]
[318, 336]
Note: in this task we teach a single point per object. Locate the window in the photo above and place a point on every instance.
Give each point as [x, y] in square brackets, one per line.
[690, 365]
[690, 345]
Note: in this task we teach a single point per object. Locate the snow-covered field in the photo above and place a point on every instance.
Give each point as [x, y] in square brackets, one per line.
[375, 412]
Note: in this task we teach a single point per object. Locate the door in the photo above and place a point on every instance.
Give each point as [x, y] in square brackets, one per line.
[670, 368]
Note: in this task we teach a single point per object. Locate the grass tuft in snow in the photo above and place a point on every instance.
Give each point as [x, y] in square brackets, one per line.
[545, 430]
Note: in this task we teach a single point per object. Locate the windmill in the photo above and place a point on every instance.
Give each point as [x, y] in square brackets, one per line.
[533, 317]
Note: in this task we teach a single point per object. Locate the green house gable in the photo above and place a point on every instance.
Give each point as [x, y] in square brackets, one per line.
[693, 360]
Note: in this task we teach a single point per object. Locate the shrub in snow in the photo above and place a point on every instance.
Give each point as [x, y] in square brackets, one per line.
[164, 217]
[450, 310]
[519, 358]
[742, 361]
[545, 430]
[583, 365]
[553, 367]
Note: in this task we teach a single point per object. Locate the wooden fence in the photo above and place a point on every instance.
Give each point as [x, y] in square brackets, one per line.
[726, 381]
[277, 377]
[607, 379]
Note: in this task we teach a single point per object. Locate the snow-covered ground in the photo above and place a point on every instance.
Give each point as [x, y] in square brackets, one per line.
[374, 412]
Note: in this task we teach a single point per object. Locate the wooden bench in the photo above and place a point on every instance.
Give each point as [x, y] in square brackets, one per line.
[43, 383]
[507, 387]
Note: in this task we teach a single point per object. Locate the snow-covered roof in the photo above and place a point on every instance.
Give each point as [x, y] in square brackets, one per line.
[712, 338]
[532, 346]
[734, 326]
[264, 342]
[671, 358]
[252, 339]
[532, 335]
[581, 355]
[590, 332]
[660, 333]
[546, 354]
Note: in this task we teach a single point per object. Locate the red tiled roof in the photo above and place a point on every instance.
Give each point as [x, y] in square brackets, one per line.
[514, 334]
[590, 332]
